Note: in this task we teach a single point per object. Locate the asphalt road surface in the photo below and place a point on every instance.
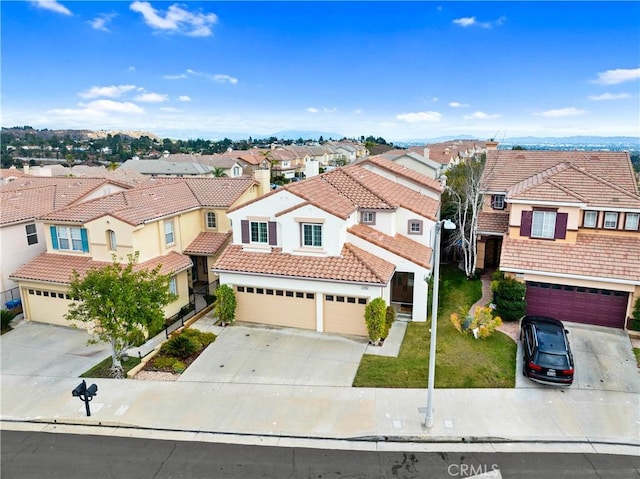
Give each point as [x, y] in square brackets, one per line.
[40, 455]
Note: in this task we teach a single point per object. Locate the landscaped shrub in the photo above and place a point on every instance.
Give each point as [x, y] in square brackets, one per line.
[482, 324]
[178, 367]
[374, 315]
[389, 318]
[635, 316]
[6, 317]
[163, 362]
[225, 305]
[509, 298]
[180, 346]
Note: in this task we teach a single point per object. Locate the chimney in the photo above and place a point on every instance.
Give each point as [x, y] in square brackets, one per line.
[426, 152]
[262, 177]
[25, 168]
[312, 168]
[491, 145]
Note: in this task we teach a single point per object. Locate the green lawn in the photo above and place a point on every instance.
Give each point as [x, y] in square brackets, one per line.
[636, 351]
[462, 362]
[101, 370]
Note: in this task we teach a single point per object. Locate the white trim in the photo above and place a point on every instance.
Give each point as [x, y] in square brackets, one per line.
[547, 203]
[570, 276]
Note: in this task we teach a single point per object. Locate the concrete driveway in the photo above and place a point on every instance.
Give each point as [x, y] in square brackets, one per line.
[603, 358]
[37, 349]
[260, 355]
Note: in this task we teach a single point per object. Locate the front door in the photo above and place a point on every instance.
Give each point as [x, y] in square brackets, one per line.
[402, 290]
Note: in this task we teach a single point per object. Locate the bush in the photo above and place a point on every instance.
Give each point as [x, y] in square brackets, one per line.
[180, 346]
[509, 297]
[374, 315]
[482, 325]
[6, 317]
[178, 367]
[389, 318]
[163, 362]
[225, 305]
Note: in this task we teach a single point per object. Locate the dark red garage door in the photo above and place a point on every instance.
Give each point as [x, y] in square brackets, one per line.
[602, 307]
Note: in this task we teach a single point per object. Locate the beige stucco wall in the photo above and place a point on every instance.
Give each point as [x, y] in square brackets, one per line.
[98, 240]
[573, 220]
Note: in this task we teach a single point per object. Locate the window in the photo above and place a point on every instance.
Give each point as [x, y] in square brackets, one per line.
[111, 239]
[632, 221]
[544, 224]
[173, 286]
[32, 234]
[211, 219]
[312, 235]
[69, 238]
[415, 227]
[169, 235]
[368, 217]
[259, 232]
[237, 171]
[611, 220]
[590, 219]
[497, 202]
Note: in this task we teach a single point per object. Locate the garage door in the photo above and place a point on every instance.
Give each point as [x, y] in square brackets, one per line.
[344, 315]
[46, 306]
[602, 307]
[277, 307]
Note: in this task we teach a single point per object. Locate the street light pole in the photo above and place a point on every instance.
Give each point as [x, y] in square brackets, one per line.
[428, 420]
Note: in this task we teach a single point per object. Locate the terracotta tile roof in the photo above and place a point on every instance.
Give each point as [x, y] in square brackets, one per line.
[57, 268]
[208, 243]
[157, 198]
[404, 171]
[354, 265]
[592, 255]
[568, 183]
[399, 245]
[445, 151]
[493, 222]
[31, 197]
[505, 168]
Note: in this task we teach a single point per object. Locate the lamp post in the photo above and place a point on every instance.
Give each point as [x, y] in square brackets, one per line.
[448, 225]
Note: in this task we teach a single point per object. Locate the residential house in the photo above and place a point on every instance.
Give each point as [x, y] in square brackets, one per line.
[567, 223]
[414, 161]
[178, 223]
[168, 168]
[24, 199]
[230, 166]
[314, 253]
[449, 153]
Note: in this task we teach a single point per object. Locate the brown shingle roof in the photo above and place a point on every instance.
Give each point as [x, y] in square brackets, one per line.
[157, 198]
[208, 243]
[493, 222]
[399, 245]
[505, 168]
[354, 265]
[592, 255]
[57, 268]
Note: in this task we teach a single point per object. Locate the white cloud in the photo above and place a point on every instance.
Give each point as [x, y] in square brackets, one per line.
[329, 110]
[225, 79]
[609, 96]
[170, 109]
[53, 6]
[561, 112]
[113, 106]
[480, 115]
[619, 75]
[175, 77]
[429, 116]
[456, 104]
[113, 91]
[152, 97]
[471, 21]
[312, 110]
[184, 98]
[176, 19]
[101, 21]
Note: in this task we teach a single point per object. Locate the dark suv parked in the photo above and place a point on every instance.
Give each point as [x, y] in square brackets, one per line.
[546, 353]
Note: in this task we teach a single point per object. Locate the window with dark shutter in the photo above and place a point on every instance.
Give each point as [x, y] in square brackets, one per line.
[244, 227]
[561, 226]
[525, 223]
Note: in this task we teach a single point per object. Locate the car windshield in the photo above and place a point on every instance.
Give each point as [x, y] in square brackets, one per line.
[552, 361]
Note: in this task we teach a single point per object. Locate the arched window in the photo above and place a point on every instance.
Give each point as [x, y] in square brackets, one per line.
[211, 219]
[111, 240]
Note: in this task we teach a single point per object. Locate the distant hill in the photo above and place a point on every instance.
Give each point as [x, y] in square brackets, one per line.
[304, 134]
[76, 134]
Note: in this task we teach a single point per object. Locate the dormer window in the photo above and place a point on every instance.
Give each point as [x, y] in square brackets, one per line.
[497, 202]
[211, 219]
[611, 220]
[590, 219]
[368, 217]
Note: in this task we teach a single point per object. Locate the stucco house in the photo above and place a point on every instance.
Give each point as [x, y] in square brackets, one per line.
[25, 198]
[414, 161]
[180, 224]
[567, 223]
[313, 254]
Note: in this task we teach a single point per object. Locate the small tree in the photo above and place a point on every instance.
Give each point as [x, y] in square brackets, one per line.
[390, 317]
[225, 304]
[121, 302]
[509, 297]
[374, 315]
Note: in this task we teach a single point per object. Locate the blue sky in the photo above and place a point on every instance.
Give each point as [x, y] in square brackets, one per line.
[400, 70]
